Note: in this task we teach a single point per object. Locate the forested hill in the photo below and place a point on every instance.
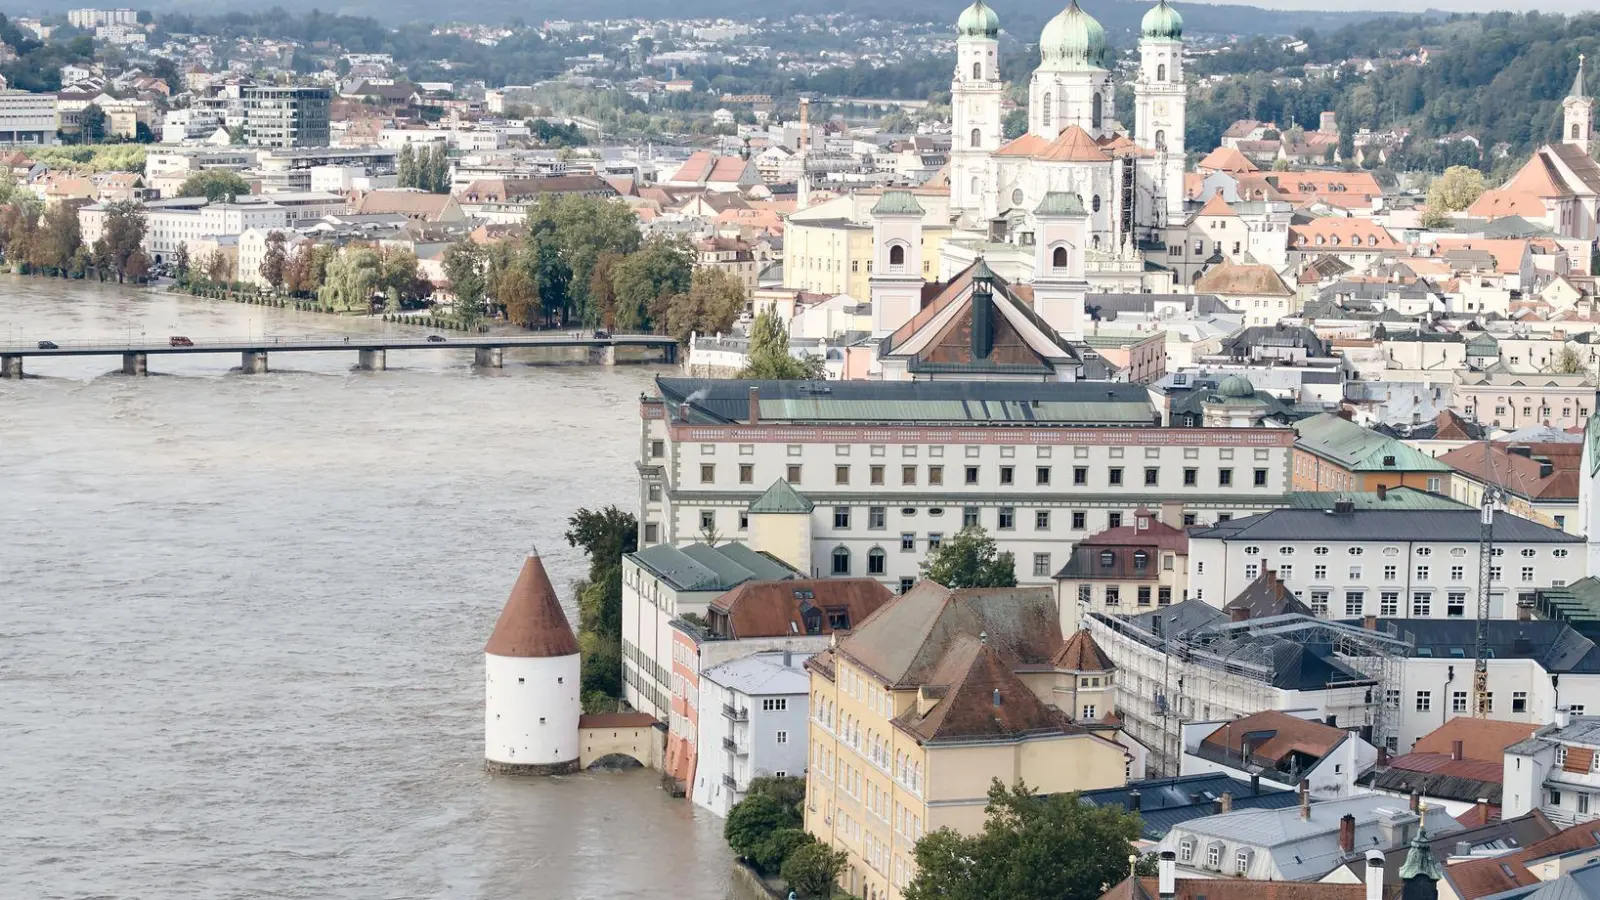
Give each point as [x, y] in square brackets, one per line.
[1499, 77]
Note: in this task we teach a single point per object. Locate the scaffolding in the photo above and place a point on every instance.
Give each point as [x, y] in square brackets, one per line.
[1168, 677]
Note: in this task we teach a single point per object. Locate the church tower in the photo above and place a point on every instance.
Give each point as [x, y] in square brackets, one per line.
[1577, 114]
[531, 682]
[975, 105]
[1161, 99]
[1059, 286]
[1071, 86]
[896, 283]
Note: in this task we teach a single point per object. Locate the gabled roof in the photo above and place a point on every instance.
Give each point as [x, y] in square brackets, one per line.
[1242, 278]
[778, 608]
[1217, 206]
[1266, 596]
[980, 698]
[1071, 145]
[1272, 736]
[1492, 463]
[1227, 159]
[1237, 889]
[1165, 802]
[702, 567]
[532, 623]
[978, 323]
[1482, 877]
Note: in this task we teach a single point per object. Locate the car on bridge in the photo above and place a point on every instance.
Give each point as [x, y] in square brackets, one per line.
[435, 338]
[179, 340]
[48, 345]
[601, 333]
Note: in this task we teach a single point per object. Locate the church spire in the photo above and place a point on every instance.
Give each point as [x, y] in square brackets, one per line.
[1577, 83]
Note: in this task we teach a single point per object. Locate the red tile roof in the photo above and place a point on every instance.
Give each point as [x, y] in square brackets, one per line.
[532, 623]
[772, 608]
[1081, 654]
[1285, 734]
[1481, 877]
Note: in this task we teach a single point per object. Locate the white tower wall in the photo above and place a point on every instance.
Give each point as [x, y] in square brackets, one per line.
[975, 96]
[1161, 116]
[530, 711]
[896, 288]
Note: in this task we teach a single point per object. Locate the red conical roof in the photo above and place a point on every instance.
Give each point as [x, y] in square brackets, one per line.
[532, 623]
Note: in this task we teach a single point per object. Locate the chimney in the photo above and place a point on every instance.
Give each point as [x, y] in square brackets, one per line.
[1524, 612]
[1216, 807]
[1167, 870]
[1463, 848]
[1383, 756]
[1563, 717]
[1369, 622]
[788, 658]
[1134, 799]
[1455, 750]
[1227, 801]
[1374, 875]
[755, 405]
[1483, 810]
[1238, 614]
[997, 697]
[1347, 833]
[982, 320]
[1383, 489]
[1416, 801]
[1255, 784]
[683, 411]
[1305, 800]
[1344, 507]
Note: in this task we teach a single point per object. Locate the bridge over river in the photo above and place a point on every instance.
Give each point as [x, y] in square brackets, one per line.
[371, 352]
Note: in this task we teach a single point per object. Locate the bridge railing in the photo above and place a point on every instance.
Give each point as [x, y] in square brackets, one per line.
[289, 342]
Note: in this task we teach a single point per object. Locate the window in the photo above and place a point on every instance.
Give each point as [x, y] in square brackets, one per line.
[1355, 573]
[1241, 861]
[1163, 596]
[936, 474]
[1007, 474]
[897, 255]
[783, 737]
[1527, 574]
[1041, 565]
[1186, 851]
[1007, 519]
[651, 532]
[875, 475]
[972, 474]
[906, 584]
[1354, 602]
[708, 473]
[1391, 698]
[1424, 701]
[774, 704]
[877, 518]
[1422, 573]
[1190, 477]
[841, 474]
[1390, 573]
[1519, 701]
[1458, 701]
[1113, 595]
[1152, 476]
[935, 538]
[1058, 258]
[908, 542]
[708, 520]
[1457, 573]
[1214, 855]
[793, 474]
[1144, 595]
[1041, 520]
[747, 473]
[1114, 520]
[1319, 573]
[969, 517]
[1114, 476]
[658, 449]
[1080, 475]
[1455, 604]
[654, 492]
[1319, 603]
[1261, 478]
[1080, 520]
[1422, 604]
[841, 561]
[1389, 603]
[841, 517]
[876, 561]
[1224, 477]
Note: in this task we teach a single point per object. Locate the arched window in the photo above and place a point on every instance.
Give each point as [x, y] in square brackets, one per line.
[1097, 108]
[897, 257]
[1574, 132]
[1058, 258]
[1161, 74]
[875, 561]
[1095, 242]
[977, 139]
[1094, 203]
[974, 186]
[977, 70]
[1045, 113]
[841, 555]
[1161, 139]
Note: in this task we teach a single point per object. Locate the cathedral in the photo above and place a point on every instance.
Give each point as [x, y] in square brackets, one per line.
[1131, 185]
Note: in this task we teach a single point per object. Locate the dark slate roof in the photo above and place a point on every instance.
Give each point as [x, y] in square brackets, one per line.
[727, 401]
[1393, 498]
[1466, 787]
[1105, 307]
[1379, 525]
[1167, 802]
[1241, 344]
[1556, 646]
[1179, 618]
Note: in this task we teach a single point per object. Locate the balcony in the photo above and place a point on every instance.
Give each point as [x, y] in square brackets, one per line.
[736, 715]
[730, 783]
[733, 747]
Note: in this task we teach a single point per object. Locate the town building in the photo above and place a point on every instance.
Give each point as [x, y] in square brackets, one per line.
[1554, 770]
[1135, 567]
[27, 120]
[1334, 454]
[1538, 482]
[884, 471]
[918, 708]
[1348, 563]
[286, 117]
[754, 726]
[1524, 870]
[1162, 803]
[1281, 751]
[1511, 401]
[1458, 765]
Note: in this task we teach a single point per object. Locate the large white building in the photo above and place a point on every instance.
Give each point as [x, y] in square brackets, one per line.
[531, 702]
[27, 119]
[1347, 563]
[1556, 771]
[882, 472]
[752, 724]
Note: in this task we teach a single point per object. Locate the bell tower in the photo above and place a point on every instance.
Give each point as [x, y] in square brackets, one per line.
[975, 96]
[1161, 102]
[1577, 114]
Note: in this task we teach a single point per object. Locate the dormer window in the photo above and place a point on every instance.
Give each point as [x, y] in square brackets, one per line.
[1107, 559]
[1141, 560]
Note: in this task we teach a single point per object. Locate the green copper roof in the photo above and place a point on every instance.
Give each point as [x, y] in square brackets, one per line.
[1236, 386]
[1360, 449]
[781, 498]
[1419, 859]
[897, 203]
[978, 20]
[1162, 22]
[981, 271]
[1072, 42]
[1060, 203]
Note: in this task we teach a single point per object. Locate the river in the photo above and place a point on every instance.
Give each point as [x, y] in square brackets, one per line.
[242, 618]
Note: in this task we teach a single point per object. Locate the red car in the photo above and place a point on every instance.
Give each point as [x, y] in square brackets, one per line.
[179, 340]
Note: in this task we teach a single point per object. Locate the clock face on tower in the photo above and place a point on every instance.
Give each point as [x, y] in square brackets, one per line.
[1159, 109]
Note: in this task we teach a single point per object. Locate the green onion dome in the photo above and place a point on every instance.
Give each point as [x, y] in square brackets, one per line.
[978, 20]
[1072, 41]
[1162, 22]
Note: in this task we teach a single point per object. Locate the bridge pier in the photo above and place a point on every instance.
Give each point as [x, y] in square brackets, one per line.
[253, 362]
[669, 354]
[489, 357]
[371, 360]
[10, 367]
[604, 356]
[135, 364]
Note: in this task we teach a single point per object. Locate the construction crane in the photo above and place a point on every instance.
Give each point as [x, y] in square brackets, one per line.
[1480, 666]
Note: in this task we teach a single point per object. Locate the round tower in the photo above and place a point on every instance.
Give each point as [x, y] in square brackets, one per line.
[531, 682]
